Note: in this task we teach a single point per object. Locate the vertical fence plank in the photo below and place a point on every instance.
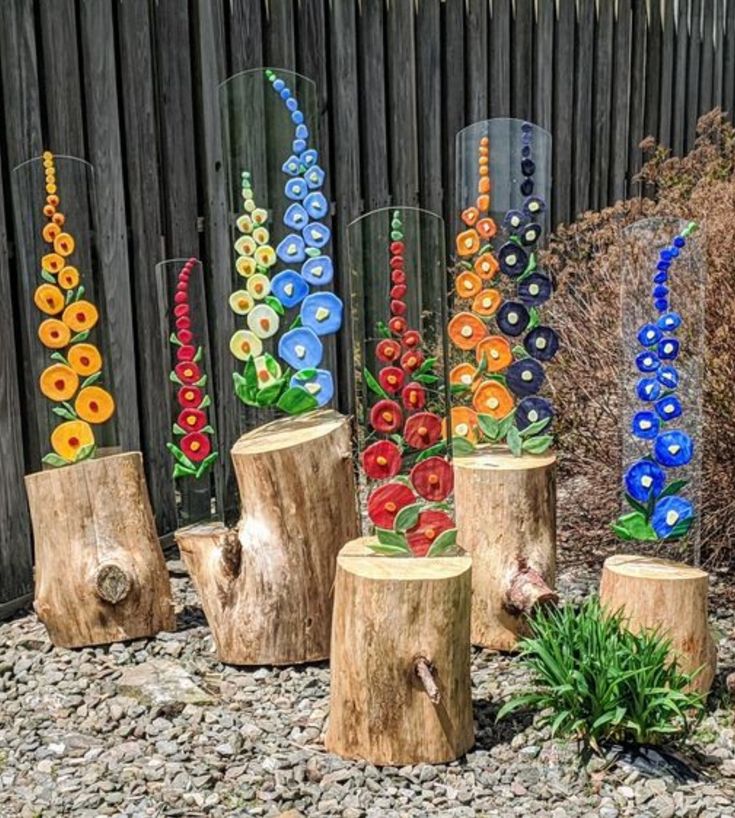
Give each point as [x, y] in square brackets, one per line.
[603, 67]
[618, 185]
[280, 44]
[706, 57]
[522, 74]
[476, 45]
[583, 103]
[245, 30]
[637, 97]
[728, 85]
[679, 130]
[428, 105]
[718, 55]
[563, 69]
[665, 73]
[499, 78]
[453, 108]
[693, 73]
[544, 102]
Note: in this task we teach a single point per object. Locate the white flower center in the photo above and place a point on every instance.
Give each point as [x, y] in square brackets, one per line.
[541, 343]
[466, 332]
[468, 242]
[291, 249]
[534, 289]
[493, 403]
[321, 314]
[529, 235]
[526, 375]
[649, 388]
[300, 350]
[466, 379]
[461, 429]
[487, 303]
[317, 271]
[650, 334]
[669, 408]
[511, 259]
[512, 317]
[674, 448]
[671, 517]
[485, 266]
[533, 416]
[647, 361]
[668, 347]
[646, 481]
[468, 285]
[645, 424]
[533, 207]
[494, 354]
[313, 387]
[288, 289]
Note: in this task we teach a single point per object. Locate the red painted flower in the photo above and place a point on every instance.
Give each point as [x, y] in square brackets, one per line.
[396, 248]
[433, 479]
[396, 263]
[397, 325]
[381, 460]
[397, 307]
[181, 309]
[187, 372]
[412, 360]
[192, 420]
[180, 297]
[189, 397]
[398, 277]
[398, 291]
[186, 336]
[429, 526]
[388, 350]
[195, 446]
[423, 430]
[386, 416]
[413, 396]
[183, 284]
[386, 501]
[186, 352]
[411, 339]
[391, 378]
[183, 322]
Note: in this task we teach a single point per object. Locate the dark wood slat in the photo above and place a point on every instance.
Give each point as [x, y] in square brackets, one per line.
[718, 57]
[707, 57]
[693, 73]
[453, 107]
[618, 185]
[476, 46]
[563, 69]
[522, 77]
[583, 104]
[637, 97]
[604, 33]
[280, 43]
[664, 67]
[499, 76]
[679, 130]
[728, 85]
[245, 30]
[545, 55]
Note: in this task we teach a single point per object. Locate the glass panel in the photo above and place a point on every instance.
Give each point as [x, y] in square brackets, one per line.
[498, 343]
[193, 444]
[399, 347]
[65, 328]
[662, 322]
[284, 313]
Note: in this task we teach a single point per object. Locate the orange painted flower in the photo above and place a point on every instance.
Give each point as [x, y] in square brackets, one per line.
[58, 382]
[84, 359]
[486, 228]
[492, 398]
[496, 351]
[464, 423]
[80, 315]
[52, 263]
[68, 278]
[50, 232]
[467, 284]
[64, 244]
[69, 437]
[486, 266]
[468, 243]
[483, 202]
[484, 185]
[53, 333]
[486, 302]
[58, 219]
[49, 299]
[462, 375]
[94, 404]
[470, 216]
[466, 330]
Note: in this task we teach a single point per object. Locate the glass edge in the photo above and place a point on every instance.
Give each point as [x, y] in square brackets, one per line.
[390, 208]
[260, 70]
[474, 125]
[57, 156]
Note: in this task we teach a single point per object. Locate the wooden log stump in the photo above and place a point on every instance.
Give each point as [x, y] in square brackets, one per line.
[400, 666]
[100, 572]
[672, 596]
[506, 520]
[266, 585]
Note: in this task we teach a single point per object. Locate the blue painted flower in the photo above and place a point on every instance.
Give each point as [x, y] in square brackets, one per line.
[533, 206]
[322, 313]
[661, 304]
[318, 270]
[525, 377]
[535, 290]
[643, 479]
[648, 335]
[529, 234]
[295, 216]
[512, 259]
[670, 512]
[302, 132]
[298, 146]
[645, 425]
[531, 410]
[668, 408]
[278, 85]
[668, 376]
[670, 321]
[674, 448]
[541, 343]
[316, 234]
[300, 348]
[289, 288]
[660, 291]
[291, 249]
[295, 189]
[668, 349]
[314, 177]
[513, 220]
[647, 361]
[291, 104]
[297, 117]
[648, 389]
[292, 166]
[661, 277]
[320, 385]
[316, 205]
[310, 157]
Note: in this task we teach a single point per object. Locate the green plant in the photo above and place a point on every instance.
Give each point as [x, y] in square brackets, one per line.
[597, 681]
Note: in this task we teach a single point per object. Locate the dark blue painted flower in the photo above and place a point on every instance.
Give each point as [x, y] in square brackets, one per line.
[300, 348]
[541, 343]
[648, 335]
[674, 448]
[644, 479]
[512, 318]
[316, 205]
[295, 189]
[314, 177]
[679, 241]
[660, 291]
[320, 384]
[513, 220]
[318, 270]
[661, 277]
[531, 410]
[310, 157]
[289, 288]
[533, 206]
[670, 321]
[661, 304]
[528, 167]
[512, 259]
[648, 389]
[530, 234]
[668, 349]
[668, 376]
[322, 313]
[316, 234]
[291, 166]
[291, 249]
[295, 217]
[527, 187]
[647, 361]
[535, 290]
[670, 512]
[645, 425]
[668, 408]
[525, 377]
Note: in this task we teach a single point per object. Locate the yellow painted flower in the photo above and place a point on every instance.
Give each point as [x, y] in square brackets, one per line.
[241, 302]
[85, 359]
[69, 437]
[260, 216]
[245, 344]
[245, 223]
[68, 278]
[263, 321]
[245, 246]
[80, 315]
[49, 299]
[52, 263]
[265, 256]
[64, 244]
[246, 266]
[53, 333]
[58, 382]
[259, 286]
[94, 404]
[50, 232]
[261, 235]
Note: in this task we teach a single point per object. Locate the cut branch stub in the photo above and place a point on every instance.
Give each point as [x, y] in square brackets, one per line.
[527, 590]
[112, 582]
[425, 672]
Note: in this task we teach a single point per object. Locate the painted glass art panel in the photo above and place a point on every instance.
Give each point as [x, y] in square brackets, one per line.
[66, 339]
[397, 327]
[499, 344]
[662, 322]
[193, 447]
[285, 314]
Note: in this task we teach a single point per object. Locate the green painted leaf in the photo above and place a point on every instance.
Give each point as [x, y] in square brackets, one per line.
[85, 452]
[513, 439]
[251, 377]
[530, 268]
[272, 365]
[201, 382]
[534, 428]
[182, 471]
[392, 538]
[57, 356]
[407, 517]
[69, 296]
[432, 451]
[79, 337]
[206, 401]
[680, 529]
[269, 395]
[489, 426]
[443, 543]
[505, 424]
[296, 323]
[91, 379]
[79, 293]
[534, 318]
[389, 550]
[46, 276]
[426, 378]
[427, 366]
[172, 376]
[537, 445]
[382, 330]
[180, 457]
[63, 413]
[54, 460]
[198, 355]
[206, 464]
[69, 408]
[674, 487]
[177, 430]
[296, 400]
[635, 505]
[374, 386]
[305, 374]
[174, 340]
[459, 388]
[208, 430]
[461, 445]
[635, 526]
[275, 304]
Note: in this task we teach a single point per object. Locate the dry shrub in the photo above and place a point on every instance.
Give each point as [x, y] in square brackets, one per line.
[584, 258]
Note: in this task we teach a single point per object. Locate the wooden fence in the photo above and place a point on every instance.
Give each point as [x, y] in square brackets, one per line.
[131, 85]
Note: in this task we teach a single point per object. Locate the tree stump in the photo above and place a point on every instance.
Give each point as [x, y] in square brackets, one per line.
[672, 596]
[100, 572]
[400, 666]
[506, 520]
[266, 585]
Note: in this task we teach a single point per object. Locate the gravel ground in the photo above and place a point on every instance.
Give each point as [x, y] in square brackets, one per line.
[82, 734]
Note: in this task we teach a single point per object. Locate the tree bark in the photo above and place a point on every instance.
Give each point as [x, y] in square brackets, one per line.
[100, 572]
[506, 520]
[400, 688]
[266, 585]
[672, 596]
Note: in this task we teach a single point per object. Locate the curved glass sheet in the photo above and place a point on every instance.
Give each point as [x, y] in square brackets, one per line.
[498, 342]
[66, 334]
[187, 394]
[398, 316]
[284, 314]
[662, 321]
